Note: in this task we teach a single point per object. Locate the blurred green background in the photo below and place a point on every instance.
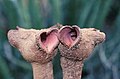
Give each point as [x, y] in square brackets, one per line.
[104, 63]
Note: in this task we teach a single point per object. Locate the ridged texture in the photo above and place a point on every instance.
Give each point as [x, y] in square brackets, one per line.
[89, 38]
[26, 41]
[43, 71]
[71, 69]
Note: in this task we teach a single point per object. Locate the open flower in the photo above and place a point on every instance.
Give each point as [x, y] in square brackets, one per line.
[76, 45]
[38, 47]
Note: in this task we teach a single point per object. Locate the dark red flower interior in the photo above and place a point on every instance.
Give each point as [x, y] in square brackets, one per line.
[68, 35]
[49, 40]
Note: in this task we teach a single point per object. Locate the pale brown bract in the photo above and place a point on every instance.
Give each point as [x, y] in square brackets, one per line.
[37, 47]
[78, 49]
[26, 40]
[83, 45]
[40, 46]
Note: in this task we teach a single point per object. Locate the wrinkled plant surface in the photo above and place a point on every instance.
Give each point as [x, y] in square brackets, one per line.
[76, 45]
[40, 46]
[37, 47]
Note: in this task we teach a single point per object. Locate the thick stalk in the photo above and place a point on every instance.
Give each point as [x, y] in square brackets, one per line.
[42, 71]
[71, 69]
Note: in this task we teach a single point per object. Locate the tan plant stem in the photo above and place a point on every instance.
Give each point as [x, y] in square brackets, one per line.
[71, 69]
[36, 48]
[42, 71]
[77, 45]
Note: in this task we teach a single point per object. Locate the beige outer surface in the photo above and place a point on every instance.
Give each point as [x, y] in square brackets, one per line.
[71, 59]
[25, 41]
[43, 71]
[71, 69]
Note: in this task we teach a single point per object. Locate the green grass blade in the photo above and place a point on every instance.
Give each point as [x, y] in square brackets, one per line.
[23, 13]
[10, 13]
[85, 12]
[93, 14]
[56, 11]
[4, 69]
[103, 11]
[34, 9]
